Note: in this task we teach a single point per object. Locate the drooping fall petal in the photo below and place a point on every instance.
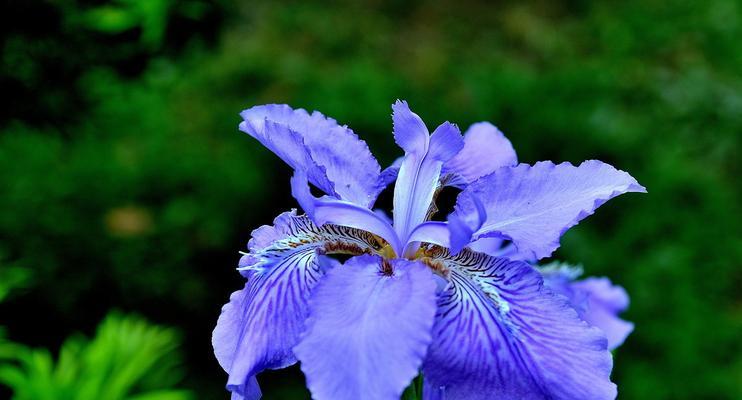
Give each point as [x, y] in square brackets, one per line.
[499, 333]
[368, 329]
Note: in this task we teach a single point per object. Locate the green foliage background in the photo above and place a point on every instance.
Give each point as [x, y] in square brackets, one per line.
[124, 182]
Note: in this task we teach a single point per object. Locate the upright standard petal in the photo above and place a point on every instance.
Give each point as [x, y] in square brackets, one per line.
[368, 330]
[499, 333]
[332, 156]
[485, 150]
[421, 167]
[262, 322]
[534, 205]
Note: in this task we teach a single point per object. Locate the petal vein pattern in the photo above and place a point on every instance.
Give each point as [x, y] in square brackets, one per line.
[261, 324]
[499, 333]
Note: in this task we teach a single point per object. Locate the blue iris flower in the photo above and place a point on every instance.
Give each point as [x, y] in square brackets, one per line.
[445, 299]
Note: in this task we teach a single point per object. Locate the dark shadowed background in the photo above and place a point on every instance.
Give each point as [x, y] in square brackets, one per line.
[126, 190]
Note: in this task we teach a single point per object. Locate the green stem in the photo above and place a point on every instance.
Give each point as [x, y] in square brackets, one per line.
[415, 390]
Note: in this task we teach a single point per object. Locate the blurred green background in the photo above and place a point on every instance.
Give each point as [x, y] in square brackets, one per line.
[126, 189]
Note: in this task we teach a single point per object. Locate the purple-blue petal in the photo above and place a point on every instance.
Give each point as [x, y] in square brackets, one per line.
[420, 170]
[445, 142]
[262, 323]
[604, 301]
[462, 229]
[368, 331]
[485, 150]
[250, 390]
[498, 247]
[597, 300]
[499, 333]
[434, 232]
[410, 131]
[534, 205]
[327, 210]
[389, 174]
[332, 156]
[289, 146]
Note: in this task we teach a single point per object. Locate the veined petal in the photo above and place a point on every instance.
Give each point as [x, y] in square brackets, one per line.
[421, 167]
[332, 156]
[262, 322]
[499, 333]
[368, 329]
[534, 205]
[327, 210]
[485, 150]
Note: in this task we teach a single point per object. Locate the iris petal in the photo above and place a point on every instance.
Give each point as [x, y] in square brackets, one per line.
[332, 156]
[604, 302]
[368, 330]
[326, 210]
[485, 150]
[420, 169]
[434, 232]
[534, 205]
[261, 324]
[499, 333]
[597, 300]
[498, 247]
[249, 391]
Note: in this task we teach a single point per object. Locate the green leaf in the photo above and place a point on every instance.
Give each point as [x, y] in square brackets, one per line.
[128, 359]
[415, 390]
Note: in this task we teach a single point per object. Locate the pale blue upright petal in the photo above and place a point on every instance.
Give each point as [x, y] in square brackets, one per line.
[261, 324]
[485, 150]
[420, 169]
[534, 205]
[500, 334]
[410, 132]
[368, 330]
[332, 156]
